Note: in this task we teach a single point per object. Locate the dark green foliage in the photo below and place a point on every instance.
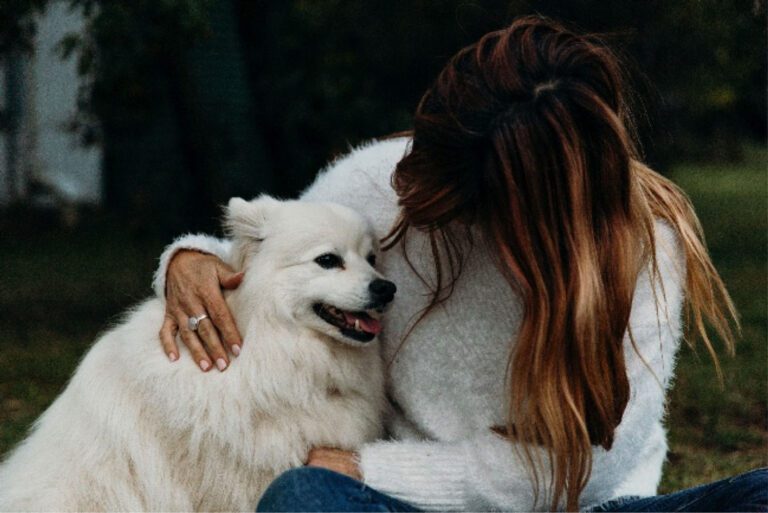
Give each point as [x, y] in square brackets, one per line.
[178, 117]
[198, 100]
[332, 71]
[17, 25]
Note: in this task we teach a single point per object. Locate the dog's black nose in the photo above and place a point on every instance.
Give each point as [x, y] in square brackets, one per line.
[382, 291]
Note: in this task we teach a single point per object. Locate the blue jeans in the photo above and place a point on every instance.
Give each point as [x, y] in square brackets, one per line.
[316, 489]
[745, 492]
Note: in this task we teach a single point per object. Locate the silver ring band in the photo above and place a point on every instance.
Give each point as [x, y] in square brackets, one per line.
[194, 322]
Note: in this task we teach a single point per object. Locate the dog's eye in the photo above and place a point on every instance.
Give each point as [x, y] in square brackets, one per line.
[329, 261]
[372, 260]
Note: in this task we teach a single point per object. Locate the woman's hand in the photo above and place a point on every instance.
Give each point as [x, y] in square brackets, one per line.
[343, 462]
[193, 287]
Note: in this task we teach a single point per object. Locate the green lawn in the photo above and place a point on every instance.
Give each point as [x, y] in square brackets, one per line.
[59, 288]
[717, 431]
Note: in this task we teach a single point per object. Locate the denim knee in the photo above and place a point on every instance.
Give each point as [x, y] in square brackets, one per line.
[312, 489]
[296, 479]
[290, 490]
[752, 489]
[319, 489]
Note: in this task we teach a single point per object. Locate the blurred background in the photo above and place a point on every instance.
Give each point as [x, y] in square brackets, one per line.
[123, 124]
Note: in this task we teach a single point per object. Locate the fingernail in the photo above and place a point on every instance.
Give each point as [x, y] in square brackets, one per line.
[173, 356]
[236, 350]
[204, 365]
[221, 364]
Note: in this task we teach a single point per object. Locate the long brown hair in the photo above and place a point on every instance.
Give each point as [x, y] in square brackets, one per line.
[527, 135]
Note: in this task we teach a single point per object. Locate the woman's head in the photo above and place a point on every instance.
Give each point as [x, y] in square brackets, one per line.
[523, 98]
[526, 135]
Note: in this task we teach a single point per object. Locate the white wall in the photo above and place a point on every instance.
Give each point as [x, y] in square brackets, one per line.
[59, 161]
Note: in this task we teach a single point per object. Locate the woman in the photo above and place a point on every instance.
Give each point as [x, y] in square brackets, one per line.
[543, 271]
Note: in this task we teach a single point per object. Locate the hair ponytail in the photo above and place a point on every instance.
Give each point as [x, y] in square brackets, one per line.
[524, 134]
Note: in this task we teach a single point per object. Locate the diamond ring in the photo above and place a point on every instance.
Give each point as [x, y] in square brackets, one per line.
[194, 322]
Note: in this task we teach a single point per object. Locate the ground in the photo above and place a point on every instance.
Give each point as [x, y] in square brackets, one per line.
[60, 288]
[715, 430]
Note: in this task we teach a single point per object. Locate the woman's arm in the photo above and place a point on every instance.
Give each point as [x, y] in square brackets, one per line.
[200, 243]
[486, 472]
[191, 280]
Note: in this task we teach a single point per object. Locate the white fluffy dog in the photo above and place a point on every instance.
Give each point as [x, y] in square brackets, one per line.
[134, 432]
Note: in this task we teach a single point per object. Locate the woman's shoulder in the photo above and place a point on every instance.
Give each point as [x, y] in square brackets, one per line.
[371, 157]
[660, 291]
[367, 167]
[361, 180]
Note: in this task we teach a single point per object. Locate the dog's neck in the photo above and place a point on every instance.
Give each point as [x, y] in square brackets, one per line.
[249, 304]
[259, 320]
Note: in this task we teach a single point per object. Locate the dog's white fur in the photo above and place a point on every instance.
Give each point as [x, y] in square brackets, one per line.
[133, 432]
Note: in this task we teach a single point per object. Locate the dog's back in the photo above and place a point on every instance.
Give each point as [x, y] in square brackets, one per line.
[134, 432]
[82, 452]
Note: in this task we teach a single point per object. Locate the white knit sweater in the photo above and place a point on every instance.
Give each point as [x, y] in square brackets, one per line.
[447, 381]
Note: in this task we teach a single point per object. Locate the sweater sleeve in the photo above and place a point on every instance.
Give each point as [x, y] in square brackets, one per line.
[486, 472]
[197, 242]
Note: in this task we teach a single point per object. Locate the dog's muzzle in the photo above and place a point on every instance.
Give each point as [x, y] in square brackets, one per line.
[382, 292]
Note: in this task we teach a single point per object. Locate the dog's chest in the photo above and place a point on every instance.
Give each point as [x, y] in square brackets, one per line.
[242, 444]
[233, 476]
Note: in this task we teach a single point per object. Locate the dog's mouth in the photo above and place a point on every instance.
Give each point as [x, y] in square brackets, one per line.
[359, 326]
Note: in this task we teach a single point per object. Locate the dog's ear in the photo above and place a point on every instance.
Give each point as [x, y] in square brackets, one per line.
[247, 219]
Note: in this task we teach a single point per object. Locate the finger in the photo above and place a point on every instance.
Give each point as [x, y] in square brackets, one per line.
[224, 322]
[312, 457]
[168, 338]
[194, 345]
[206, 331]
[228, 277]
[319, 454]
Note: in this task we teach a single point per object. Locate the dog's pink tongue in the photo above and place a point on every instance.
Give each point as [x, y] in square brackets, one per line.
[367, 323]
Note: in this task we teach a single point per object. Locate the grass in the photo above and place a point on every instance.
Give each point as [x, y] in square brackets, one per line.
[716, 431]
[59, 289]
